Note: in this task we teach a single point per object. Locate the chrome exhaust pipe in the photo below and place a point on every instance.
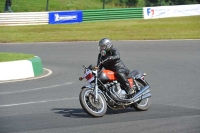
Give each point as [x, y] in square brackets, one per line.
[141, 92]
[143, 97]
[146, 96]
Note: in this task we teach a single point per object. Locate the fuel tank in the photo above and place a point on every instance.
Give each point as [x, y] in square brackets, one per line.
[107, 76]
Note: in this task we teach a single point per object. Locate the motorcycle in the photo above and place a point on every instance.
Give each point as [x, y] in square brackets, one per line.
[104, 91]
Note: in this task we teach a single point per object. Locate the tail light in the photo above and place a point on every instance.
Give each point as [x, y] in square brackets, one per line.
[143, 76]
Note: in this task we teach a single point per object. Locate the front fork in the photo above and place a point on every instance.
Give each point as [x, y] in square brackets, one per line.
[96, 89]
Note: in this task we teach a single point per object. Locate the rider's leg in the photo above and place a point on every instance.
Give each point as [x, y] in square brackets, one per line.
[124, 81]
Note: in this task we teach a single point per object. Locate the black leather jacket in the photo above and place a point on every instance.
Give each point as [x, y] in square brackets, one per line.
[113, 64]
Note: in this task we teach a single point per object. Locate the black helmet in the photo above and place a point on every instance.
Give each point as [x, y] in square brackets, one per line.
[105, 44]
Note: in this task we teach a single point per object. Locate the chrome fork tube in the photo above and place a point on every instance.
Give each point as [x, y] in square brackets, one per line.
[96, 85]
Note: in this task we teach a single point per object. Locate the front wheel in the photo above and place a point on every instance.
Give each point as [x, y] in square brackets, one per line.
[94, 108]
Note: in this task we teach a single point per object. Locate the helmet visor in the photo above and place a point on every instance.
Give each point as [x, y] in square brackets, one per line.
[103, 47]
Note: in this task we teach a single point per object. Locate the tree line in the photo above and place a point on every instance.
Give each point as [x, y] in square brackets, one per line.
[171, 2]
[143, 3]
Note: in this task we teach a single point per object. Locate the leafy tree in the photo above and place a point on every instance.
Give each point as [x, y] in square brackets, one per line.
[142, 3]
[170, 2]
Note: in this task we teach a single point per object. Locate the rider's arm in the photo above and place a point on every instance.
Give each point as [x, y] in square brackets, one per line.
[98, 62]
[115, 54]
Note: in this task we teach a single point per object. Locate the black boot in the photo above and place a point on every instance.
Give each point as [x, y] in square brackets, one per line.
[124, 82]
[128, 89]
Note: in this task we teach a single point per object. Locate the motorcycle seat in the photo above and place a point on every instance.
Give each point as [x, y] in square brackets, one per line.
[134, 73]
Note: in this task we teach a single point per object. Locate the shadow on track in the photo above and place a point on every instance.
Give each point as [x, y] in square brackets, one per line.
[80, 113]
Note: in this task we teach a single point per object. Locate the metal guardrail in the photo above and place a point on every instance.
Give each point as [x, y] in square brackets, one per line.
[24, 18]
[36, 18]
[110, 14]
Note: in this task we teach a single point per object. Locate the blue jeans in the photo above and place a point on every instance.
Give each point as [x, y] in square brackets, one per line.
[7, 8]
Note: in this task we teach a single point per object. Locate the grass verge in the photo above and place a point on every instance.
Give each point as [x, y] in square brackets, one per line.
[55, 5]
[153, 29]
[4, 57]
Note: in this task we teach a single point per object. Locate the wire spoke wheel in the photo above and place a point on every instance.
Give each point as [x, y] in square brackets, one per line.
[94, 107]
[144, 104]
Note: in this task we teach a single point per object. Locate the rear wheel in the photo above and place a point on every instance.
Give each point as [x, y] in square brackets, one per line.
[94, 108]
[144, 104]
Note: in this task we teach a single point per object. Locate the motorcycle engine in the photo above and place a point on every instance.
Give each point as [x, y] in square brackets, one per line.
[121, 93]
[117, 90]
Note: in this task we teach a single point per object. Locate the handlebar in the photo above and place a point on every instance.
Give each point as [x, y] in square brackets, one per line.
[102, 62]
[96, 67]
[84, 67]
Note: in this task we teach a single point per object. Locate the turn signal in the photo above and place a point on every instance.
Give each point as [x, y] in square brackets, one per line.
[81, 78]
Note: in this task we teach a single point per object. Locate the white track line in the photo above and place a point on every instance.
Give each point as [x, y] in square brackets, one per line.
[36, 88]
[55, 100]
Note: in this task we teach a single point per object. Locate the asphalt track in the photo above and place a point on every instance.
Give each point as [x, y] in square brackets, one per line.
[50, 104]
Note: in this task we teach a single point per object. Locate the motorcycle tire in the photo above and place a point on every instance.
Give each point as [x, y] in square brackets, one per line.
[93, 108]
[144, 104]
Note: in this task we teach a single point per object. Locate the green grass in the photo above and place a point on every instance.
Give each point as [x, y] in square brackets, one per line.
[168, 28]
[54, 5]
[4, 57]
[154, 29]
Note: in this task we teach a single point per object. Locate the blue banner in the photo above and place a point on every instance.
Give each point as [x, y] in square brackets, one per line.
[64, 17]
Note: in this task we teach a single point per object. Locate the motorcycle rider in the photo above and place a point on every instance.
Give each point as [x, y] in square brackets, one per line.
[114, 63]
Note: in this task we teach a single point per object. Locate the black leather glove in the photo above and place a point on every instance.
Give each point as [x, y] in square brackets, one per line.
[91, 67]
[110, 58]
